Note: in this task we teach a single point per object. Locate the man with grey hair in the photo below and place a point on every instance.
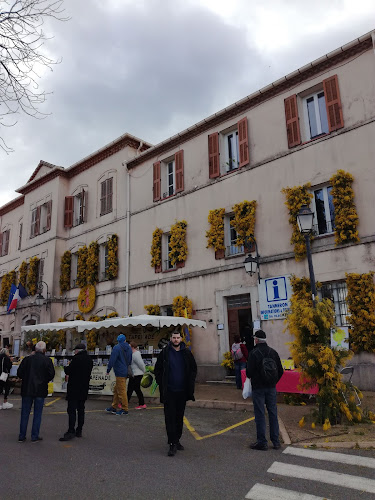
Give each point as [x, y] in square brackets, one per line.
[264, 368]
[35, 371]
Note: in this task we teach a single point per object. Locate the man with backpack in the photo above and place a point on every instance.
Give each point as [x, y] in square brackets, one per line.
[265, 370]
[120, 360]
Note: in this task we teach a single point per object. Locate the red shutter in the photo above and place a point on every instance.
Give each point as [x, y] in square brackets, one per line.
[68, 215]
[1, 244]
[243, 142]
[49, 210]
[179, 166]
[333, 103]
[213, 155]
[6, 242]
[157, 181]
[103, 198]
[110, 194]
[37, 221]
[292, 121]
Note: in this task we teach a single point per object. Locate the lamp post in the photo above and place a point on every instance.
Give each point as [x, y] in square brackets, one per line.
[252, 263]
[39, 298]
[305, 219]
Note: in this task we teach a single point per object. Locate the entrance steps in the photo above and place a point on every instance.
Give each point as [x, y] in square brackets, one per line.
[229, 380]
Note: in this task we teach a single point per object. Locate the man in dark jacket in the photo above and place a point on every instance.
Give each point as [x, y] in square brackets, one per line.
[264, 391]
[35, 371]
[175, 372]
[78, 373]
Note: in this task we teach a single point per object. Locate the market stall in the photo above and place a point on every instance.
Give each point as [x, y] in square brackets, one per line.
[151, 333]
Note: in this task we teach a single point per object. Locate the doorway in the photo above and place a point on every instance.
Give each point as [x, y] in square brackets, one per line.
[240, 320]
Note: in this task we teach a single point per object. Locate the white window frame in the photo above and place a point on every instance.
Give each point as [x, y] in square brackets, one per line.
[33, 222]
[77, 208]
[103, 262]
[231, 249]
[165, 165]
[43, 218]
[73, 270]
[320, 132]
[339, 291]
[233, 163]
[330, 224]
[166, 263]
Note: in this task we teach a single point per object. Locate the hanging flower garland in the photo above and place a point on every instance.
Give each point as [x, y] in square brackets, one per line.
[156, 247]
[112, 245]
[244, 220]
[178, 247]
[32, 276]
[215, 235]
[7, 281]
[86, 298]
[81, 280]
[346, 218]
[361, 302]
[153, 310]
[23, 274]
[296, 197]
[66, 260]
[311, 351]
[92, 263]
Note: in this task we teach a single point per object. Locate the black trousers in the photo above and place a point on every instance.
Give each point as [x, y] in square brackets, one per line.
[76, 406]
[174, 409]
[135, 385]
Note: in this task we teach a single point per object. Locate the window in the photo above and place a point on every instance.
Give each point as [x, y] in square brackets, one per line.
[106, 196]
[324, 211]
[230, 236]
[41, 219]
[4, 243]
[228, 150]
[337, 293]
[74, 270]
[315, 111]
[75, 209]
[20, 236]
[103, 262]
[321, 110]
[40, 270]
[166, 310]
[168, 176]
[166, 248]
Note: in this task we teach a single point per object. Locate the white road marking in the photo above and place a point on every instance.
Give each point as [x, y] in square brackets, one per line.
[331, 457]
[262, 491]
[323, 476]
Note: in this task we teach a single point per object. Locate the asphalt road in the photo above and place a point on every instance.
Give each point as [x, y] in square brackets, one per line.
[126, 457]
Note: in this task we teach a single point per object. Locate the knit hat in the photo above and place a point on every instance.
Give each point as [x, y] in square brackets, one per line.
[80, 346]
[121, 338]
[260, 335]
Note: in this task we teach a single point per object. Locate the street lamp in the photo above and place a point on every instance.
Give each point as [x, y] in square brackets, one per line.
[39, 301]
[305, 219]
[252, 263]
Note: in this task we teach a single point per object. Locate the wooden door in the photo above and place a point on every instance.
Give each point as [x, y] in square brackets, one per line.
[233, 325]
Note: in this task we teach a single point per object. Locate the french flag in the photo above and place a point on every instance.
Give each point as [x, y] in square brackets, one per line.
[16, 294]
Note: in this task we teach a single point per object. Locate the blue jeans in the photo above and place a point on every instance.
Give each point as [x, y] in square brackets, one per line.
[238, 366]
[261, 397]
[27, 402]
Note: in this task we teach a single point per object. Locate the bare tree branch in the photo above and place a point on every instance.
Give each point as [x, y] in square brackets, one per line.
[21, 56]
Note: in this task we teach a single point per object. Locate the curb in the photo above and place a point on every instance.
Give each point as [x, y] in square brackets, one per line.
[218, 405]
[338, 444]
[284, 433]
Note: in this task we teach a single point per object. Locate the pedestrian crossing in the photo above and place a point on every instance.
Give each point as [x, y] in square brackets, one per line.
[309, 471]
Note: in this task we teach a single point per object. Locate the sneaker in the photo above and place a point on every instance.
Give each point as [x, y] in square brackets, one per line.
[172, 450]
[37, 440]
[179, 446]
[259, 446]
[141, 407]
[110, 409]
[7, 406]
[122, 412]
[21, 440]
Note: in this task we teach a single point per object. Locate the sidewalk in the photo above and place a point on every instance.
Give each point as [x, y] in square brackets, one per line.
[227, 397]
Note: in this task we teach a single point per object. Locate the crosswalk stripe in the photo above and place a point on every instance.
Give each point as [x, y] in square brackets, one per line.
[323, 476]
[262, 491]
[331, 457]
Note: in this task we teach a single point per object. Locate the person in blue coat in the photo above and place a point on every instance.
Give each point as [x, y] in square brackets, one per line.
[120, 359]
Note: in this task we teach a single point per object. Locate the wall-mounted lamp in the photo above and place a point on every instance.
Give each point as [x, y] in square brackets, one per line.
[252, 263]
[40, 300]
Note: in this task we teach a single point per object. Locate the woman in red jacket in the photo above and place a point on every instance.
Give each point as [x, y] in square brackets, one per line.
[239, 355]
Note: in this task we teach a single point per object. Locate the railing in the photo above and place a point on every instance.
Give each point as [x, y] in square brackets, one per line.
[326, 227]
[168, 265]
[234, 250]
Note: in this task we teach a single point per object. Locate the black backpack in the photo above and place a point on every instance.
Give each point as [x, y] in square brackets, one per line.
[268, 369]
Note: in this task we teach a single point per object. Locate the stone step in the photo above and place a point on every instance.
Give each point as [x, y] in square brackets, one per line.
[223, 382]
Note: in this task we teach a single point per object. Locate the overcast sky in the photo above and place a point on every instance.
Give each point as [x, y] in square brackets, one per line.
[154, 67]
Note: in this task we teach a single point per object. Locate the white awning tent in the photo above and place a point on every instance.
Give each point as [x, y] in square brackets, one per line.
[116, 324]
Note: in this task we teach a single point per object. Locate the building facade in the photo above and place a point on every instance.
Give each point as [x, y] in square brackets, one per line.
[298, 131]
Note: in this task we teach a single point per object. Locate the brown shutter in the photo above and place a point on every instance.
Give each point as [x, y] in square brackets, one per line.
[6, 242]
[333, 103]
[41, 270]
[1, 244]
[179, 166]
[83, 214]
[110, 194]
[213, 155]
[49, 213]
[103, 198]
[68, 215]
[243, 142]
[157, 181]
[292, 121]
[20, 236]
[37, 221]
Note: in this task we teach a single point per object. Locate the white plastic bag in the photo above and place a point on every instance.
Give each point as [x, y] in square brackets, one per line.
[247, 390]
